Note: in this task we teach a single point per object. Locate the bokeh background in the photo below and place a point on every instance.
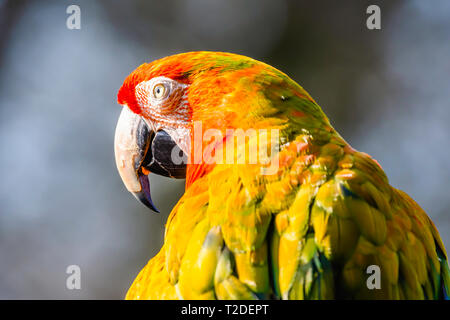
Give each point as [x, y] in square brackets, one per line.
[61, 199]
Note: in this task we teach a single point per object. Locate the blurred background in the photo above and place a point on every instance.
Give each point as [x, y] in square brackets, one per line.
[61, 199]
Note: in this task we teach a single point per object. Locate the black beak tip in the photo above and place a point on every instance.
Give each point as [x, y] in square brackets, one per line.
[144, 196]
[145, 200]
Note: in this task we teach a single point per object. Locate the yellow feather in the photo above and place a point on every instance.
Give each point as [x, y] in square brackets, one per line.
[199, 263]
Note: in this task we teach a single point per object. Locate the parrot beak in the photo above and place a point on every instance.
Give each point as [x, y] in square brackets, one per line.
[138, 151]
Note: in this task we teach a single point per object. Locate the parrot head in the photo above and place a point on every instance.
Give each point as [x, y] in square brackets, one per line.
[164, 99]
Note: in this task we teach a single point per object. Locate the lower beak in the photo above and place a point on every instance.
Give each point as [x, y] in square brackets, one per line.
[139, 151]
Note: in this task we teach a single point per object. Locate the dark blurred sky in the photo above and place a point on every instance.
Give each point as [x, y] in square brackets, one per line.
[61, 200]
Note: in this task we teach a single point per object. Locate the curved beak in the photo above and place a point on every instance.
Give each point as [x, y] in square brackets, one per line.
[139, 151]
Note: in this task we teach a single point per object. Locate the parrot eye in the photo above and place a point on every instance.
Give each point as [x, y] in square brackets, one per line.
[159, 91]
[159, 95]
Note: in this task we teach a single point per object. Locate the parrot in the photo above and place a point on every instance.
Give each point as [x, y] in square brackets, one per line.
[277, 205]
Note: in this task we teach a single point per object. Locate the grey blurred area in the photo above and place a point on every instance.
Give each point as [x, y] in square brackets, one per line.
[61, 199]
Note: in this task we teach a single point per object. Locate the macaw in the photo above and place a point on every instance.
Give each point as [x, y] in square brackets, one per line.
[293, 212]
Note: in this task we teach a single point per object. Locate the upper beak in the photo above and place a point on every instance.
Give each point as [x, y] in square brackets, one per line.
[139, 151]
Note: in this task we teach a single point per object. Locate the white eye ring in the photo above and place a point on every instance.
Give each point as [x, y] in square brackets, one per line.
[159, 91]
